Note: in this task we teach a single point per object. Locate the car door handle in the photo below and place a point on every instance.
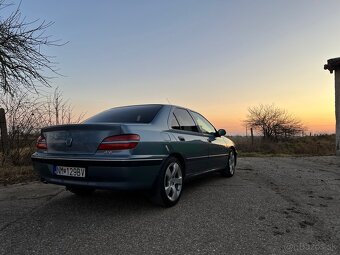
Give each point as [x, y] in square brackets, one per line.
[181, 138]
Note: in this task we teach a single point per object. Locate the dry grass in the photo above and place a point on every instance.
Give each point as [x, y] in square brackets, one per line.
[10, 174]
[321, 145]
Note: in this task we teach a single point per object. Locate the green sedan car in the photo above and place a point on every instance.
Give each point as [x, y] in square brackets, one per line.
[146, 147]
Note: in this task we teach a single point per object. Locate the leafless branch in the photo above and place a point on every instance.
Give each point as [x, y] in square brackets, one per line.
[22, 61]
[27, 113]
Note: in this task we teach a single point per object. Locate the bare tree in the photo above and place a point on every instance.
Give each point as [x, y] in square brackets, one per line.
[60, 111]
[273, 122]
[27, 113]
[23, 114]
[22, 61]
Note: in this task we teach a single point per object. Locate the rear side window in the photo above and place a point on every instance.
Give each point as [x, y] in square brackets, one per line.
[185, 120]
[127, 114]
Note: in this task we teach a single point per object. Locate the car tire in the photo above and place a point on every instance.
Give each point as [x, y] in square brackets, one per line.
[229, 170]
[169, 184]
[83, 192]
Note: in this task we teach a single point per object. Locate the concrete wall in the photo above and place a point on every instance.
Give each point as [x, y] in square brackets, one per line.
[337, 110]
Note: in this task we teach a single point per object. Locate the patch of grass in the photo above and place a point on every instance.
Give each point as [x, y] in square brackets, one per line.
[10, 174]
[321, 145]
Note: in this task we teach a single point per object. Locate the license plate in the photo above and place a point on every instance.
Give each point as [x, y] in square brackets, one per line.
[70, 171]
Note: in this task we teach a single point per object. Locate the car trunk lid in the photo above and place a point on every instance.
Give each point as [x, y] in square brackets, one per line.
[78, 138]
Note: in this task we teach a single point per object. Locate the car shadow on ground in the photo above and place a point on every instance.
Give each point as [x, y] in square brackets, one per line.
[102, 200]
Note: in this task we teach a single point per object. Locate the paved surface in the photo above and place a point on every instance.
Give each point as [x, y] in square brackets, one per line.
[271, 206]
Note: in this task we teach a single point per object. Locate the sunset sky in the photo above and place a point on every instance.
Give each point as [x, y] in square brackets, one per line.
[216, 57]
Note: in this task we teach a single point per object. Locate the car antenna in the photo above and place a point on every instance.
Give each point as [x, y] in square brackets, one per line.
[167, 99]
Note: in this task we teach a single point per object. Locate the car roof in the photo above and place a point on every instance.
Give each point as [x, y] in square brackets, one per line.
[170, 105]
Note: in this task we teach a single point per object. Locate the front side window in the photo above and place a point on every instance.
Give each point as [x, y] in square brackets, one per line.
[203, 124]
[185, 120]
[174, 123]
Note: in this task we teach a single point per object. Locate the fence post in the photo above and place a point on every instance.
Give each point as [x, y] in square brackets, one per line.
[4, 134]
[252, 136]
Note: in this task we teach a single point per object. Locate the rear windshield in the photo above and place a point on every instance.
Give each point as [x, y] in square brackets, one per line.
[127, 114]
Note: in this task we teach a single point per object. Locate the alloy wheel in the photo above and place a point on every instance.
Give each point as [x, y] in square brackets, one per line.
[173, 181]
[232, 162]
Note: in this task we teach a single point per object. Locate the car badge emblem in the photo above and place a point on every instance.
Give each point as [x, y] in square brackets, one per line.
[68, 142]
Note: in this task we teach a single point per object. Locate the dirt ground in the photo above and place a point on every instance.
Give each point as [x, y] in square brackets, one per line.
[272, 205]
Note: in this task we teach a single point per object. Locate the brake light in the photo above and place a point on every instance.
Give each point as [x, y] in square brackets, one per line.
[41, 143]
[119, 142]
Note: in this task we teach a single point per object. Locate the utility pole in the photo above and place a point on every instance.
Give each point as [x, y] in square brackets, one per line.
[334, 65]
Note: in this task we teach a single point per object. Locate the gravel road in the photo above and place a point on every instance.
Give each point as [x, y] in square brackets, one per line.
[271, 206]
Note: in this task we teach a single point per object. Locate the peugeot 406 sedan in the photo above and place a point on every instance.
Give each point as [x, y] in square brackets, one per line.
[151, 147]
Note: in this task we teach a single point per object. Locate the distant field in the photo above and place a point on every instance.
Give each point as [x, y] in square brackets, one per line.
[321, 145]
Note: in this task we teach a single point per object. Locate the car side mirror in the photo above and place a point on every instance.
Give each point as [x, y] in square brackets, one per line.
[221, 132]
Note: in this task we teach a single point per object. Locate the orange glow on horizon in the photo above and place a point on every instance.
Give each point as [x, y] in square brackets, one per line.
[316, 122]
[315, 126]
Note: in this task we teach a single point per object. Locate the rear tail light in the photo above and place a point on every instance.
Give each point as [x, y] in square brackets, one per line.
[41, 143]
[119, 142]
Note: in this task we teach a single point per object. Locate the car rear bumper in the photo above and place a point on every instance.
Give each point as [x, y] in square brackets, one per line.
[116, 174]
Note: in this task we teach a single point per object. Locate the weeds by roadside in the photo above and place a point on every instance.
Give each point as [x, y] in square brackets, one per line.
[10, 174]
[321, 145]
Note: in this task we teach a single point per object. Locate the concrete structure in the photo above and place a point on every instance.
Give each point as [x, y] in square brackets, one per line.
[334, 65]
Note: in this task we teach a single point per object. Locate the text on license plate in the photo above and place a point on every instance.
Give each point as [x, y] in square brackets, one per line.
[70, 171]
